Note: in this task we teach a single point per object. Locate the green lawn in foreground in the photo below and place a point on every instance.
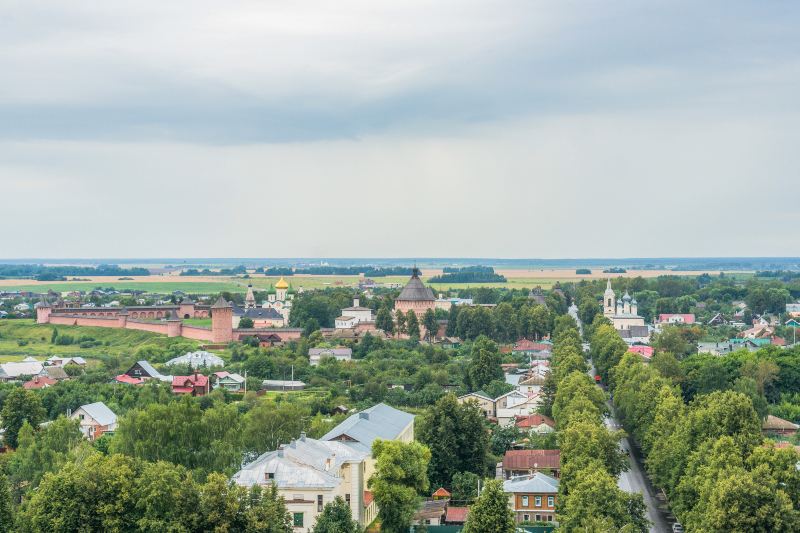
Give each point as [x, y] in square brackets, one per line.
[116, 342]
[200, 322]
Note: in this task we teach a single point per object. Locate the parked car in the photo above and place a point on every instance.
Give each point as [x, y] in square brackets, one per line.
[677, 528]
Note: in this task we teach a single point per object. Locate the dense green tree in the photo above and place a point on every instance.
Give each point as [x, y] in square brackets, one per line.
[20, 406]
[6, 510]
[464, 487]
[184, 434]
[245, 323]
[383, 320]
[484, 366]
[336, 517]
[452, 321]
[400, 317]
[431, 324]
[595, 495]
[490, 513]
[400, 474]
[268, 425]
[457, 438]
[412, 325]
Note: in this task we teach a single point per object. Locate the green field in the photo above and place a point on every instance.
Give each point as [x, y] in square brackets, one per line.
[116, 342]
[166, 287]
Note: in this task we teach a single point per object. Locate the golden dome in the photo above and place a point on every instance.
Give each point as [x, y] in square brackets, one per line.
[281, 284]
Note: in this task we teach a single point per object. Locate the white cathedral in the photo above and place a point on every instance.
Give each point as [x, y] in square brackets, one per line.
[623, 313]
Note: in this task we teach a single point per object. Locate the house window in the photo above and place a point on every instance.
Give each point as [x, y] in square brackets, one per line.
[538, 518]
[270, 475]
[551, 501]
[549, 518]
[319, 503]
[526, 518]
[298, 519]
[524, 501]
[538, 500]
[347, 499]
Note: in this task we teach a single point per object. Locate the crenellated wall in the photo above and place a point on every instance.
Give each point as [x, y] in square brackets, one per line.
[171, 328]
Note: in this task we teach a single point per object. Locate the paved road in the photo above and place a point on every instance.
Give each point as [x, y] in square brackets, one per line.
[635, 480]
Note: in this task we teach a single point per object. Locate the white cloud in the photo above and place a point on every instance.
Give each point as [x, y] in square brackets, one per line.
[361, 128]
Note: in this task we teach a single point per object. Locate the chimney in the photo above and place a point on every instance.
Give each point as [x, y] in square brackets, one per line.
[363, 415]
[355, 301]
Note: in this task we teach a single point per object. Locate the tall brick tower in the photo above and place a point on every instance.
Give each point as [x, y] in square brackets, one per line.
[43, 310]
[221, 321]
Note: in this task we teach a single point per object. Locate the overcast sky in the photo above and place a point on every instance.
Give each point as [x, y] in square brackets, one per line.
[399, 129]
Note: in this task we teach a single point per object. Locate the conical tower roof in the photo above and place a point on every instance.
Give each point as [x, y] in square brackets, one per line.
[250, 297]
[415, 290]
[221, 304]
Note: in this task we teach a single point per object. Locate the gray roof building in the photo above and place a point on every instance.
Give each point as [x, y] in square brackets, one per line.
[302, 464]
[197, 360]
[378, 422]
[100, 413]
[415, 290]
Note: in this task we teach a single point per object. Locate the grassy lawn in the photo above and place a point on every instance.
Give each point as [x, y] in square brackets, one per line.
[116, 342]
[201, 322]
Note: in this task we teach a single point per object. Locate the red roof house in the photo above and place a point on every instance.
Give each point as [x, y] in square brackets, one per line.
[676, 318]
[441, 493]
[534, 421]
[197, 384]
[527, 462]
[39, 382]
[128, 380]
[456, 515]
[644, 351]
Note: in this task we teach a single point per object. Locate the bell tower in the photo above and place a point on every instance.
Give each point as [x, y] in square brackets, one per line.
[609, 300]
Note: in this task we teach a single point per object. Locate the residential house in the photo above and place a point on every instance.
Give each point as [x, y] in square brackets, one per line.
[793, 310]
[264, 340]
[65, 361]
[39, 382]
[229, 382]
[456, 516]
[484, 401]
[262, 317]
[315, 355]
[430, 513]
[717, 320]
[144, 370]
[195, 385]
[54, 372]
[675, 319]
[128, 380]
[717, 348]
[512, 404]
[536, 423]
[532, 498]
[16, 370]
[441, 494]
[778, 426]
[526, 462]
[310, 473]
[646, 352]
[95, 419]
[533, 349]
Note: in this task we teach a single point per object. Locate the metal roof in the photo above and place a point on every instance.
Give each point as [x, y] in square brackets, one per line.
[197, 359]
[100, 413]
[415, 290]
[378, 422]
[536, 483]
[302, 464]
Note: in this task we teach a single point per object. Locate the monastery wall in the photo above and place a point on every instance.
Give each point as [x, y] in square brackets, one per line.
[196, 333]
